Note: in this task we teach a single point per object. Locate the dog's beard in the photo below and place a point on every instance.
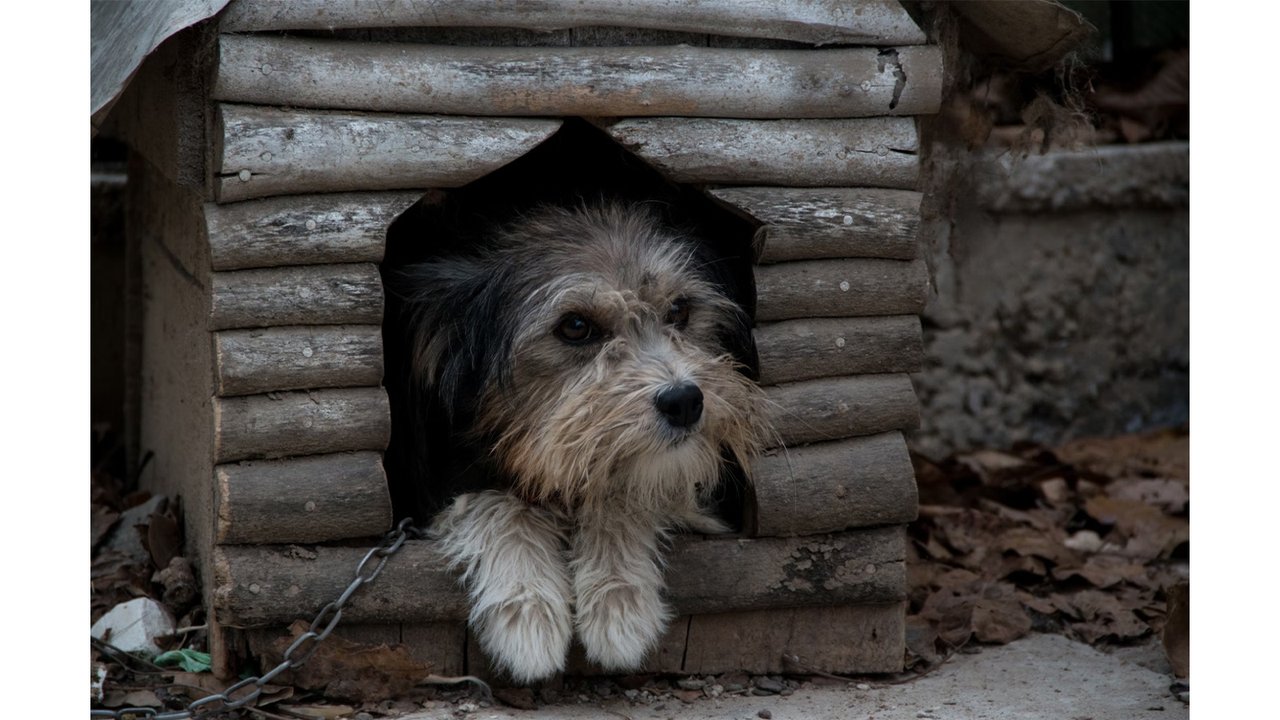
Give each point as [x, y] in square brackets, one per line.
[598, 438]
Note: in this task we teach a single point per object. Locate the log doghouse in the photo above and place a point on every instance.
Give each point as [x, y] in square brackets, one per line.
[276, 143]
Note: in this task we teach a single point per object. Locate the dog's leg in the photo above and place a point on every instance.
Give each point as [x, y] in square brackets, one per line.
[512, 557]
[617, 580]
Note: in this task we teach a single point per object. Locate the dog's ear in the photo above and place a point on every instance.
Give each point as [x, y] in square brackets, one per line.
[459, 333]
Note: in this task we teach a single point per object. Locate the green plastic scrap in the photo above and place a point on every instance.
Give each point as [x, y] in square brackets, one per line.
[187, 659]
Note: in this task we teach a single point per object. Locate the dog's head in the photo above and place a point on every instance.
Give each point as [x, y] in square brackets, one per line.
[591, 351]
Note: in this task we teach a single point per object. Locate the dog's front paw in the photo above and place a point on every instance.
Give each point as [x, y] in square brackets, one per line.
[529, 638]
[620, 625]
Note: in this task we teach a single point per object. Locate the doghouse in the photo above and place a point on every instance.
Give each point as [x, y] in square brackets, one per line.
[277, 143]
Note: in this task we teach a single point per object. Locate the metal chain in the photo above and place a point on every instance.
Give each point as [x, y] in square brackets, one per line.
[304, 646]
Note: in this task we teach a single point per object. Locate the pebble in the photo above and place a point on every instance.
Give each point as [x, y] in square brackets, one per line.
[468, 707]
[764, 715]
[691, 684]
[863, 686]
[713, 691]
[770, 685]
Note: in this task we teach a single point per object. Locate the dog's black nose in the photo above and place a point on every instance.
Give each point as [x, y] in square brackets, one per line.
[681, 405]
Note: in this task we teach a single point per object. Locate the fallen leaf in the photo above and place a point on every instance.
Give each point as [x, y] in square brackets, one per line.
[101, 520]
[520, 698]
[1104, 571]
[1151, 534]
[353, 671]
[1170, 496]
[1176, 637]
[319, 712]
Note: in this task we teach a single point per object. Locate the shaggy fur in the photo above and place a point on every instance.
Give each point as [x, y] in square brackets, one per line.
[582, 365]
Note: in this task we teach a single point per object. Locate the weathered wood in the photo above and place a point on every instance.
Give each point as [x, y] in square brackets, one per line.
[262, 584]
[840, 288]
[827, 347]
[162, 113]
[300, 423]
[615, 36]
[842, 639]
[808, 224]
[620, 82]
[175, 388]
[310, 295]
[303, 500]
[297, 358]
[850, 22]
[261, 151]
[876, 152]
[836, 408]
[442, 645]
[833, 486]
[303, 230]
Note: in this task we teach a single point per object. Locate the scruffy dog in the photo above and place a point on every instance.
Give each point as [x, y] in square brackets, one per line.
[581, 362]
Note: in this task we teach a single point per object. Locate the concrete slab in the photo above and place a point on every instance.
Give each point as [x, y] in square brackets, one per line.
[1041, 677]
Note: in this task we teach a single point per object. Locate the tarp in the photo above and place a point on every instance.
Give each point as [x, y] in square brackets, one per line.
[121, 35]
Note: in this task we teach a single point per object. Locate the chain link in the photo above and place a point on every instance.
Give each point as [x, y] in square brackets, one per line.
[298, 653]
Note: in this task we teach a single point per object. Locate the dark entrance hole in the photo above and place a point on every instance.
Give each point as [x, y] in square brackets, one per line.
[579, 163]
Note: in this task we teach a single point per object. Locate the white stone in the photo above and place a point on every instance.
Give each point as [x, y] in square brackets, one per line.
[135, 626]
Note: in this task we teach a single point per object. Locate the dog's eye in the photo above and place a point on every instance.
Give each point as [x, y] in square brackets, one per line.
[678, 313]
[577, 330]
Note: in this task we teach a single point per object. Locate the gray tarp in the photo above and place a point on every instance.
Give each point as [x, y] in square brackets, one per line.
[123, 32]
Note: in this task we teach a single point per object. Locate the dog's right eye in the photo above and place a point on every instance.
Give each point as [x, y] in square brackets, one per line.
[577, 330]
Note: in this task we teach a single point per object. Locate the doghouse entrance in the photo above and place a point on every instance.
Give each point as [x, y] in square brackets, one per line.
[578, 164]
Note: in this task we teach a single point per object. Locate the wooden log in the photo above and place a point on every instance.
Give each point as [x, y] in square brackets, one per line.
[876, 152]
[303, 230]
[842, 639]
[833, 486]
[836, 408]
[303, 500]
[263, 584]
[589, 82]
[261, 151]
[300, 423]
[310, 295]
[818, 22]
[808, 224]
[840, 288]
[827, 347]
[441, 645]
[247, 362]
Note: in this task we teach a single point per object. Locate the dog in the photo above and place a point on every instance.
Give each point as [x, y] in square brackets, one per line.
[577, 373]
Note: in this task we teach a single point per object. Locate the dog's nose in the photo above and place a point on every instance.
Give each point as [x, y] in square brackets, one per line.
[681, 405]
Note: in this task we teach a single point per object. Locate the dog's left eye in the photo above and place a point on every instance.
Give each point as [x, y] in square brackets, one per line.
[678, 313]
[577, 330]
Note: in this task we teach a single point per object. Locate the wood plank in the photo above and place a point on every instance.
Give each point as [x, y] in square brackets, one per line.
[261, 151]
[873, 152]
[851, 22]
[303, 500]
[248, 362]
[840, 288]
[303, 230]
[833, 486]
[809, 224]
[827, 347]
[310, 295]
[589, 82]
[841, 639]
[300, 423]
[441, 645]
[837, 408]
[264, 584]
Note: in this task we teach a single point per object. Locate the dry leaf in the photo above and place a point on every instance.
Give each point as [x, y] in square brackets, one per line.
[1000, 619]
[354, 671]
